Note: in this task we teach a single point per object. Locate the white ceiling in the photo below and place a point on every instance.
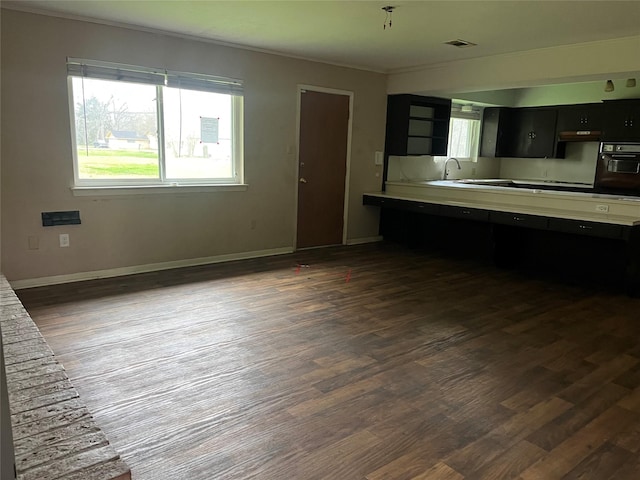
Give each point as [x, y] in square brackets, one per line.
[351, 32]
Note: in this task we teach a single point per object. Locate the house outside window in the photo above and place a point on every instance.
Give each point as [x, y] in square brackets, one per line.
[140, 126]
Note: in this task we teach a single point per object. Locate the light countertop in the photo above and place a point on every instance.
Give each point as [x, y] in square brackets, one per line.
[577, 205]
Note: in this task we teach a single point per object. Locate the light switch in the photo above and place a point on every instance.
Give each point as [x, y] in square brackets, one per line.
[378, 158]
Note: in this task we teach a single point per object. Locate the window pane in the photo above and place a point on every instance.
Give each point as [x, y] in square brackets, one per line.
[459, 138]
[198, 134]
[116, 129]
[463, 137]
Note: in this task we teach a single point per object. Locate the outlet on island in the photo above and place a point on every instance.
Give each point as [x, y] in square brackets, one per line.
[602, 208]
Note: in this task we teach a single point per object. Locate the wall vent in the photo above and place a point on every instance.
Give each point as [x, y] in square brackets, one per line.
[51, 219]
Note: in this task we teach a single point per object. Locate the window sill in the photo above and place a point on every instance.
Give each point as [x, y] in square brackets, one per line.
[107, 190]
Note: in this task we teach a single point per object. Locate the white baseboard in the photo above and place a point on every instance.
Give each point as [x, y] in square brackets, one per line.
[360, 241]
[152, 267]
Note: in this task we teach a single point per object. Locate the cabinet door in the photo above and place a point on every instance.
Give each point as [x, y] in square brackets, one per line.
[621, 120]
[572, 118]
[534, 133]
[495, 132]
[397, 124]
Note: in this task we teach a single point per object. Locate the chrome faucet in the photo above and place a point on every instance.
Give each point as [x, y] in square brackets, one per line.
[445, 172]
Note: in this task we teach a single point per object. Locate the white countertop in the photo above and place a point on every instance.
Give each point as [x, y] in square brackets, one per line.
[588, 206]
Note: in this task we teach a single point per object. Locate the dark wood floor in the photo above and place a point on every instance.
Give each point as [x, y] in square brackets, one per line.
[373, 362]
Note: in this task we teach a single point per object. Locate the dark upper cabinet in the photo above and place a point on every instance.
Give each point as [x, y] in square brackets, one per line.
[519, 132]
[533, 133]
[580, 118]
[417, 125]
[539, 132]
[495, 131]
[621, 120]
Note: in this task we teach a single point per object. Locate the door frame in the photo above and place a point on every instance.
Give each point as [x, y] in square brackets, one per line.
[347, 176]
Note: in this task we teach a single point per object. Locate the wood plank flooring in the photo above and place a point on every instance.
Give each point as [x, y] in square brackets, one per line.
[372, 362]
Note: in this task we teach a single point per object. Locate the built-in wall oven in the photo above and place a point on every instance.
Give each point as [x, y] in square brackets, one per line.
[618, 168]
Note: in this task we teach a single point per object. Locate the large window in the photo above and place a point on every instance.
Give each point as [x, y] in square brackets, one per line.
[140, 126]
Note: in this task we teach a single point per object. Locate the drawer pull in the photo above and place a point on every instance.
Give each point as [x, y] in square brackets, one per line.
[586, 227]
[517, 219]
[466, 212]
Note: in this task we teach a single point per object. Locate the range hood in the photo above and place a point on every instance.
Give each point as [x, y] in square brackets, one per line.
[580, 136]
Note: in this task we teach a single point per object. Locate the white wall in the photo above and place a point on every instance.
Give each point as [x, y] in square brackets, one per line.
[135, 230]
[579, 165]
[583, 62]
[562, 94]
[417, 168]
[572, 93]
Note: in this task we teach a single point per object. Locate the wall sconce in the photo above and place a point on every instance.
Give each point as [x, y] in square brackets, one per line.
[631, 82]
[609, 86]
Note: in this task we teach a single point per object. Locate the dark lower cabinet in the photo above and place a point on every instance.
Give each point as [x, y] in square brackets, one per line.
[402, 205]
[564, 257]
[593, 229]
[465, 213]
[602, 253]
[519, 220]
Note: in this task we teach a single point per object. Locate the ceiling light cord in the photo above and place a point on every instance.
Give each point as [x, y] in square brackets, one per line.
[388, 18]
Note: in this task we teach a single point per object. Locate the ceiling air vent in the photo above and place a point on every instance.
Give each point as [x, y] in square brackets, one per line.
[460, 43]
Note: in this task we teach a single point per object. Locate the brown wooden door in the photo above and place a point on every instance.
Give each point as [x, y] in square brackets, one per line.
[324, 124]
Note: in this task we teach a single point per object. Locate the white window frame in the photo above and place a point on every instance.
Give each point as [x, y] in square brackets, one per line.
[160, 78]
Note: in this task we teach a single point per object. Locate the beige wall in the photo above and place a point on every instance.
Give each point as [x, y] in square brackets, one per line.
[125, 231]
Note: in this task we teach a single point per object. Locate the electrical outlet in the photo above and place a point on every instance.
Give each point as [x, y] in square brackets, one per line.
[64, 239]
[473, 172]
[602, 208]
[545, 173]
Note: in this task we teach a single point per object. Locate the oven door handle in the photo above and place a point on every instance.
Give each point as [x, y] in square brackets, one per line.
[612, 164]
[615, 156]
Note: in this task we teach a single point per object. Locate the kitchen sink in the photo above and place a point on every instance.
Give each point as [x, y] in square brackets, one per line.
[494, 182]
[530, 184]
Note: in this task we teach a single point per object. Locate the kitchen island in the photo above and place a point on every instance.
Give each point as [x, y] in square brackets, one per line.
[509, 215]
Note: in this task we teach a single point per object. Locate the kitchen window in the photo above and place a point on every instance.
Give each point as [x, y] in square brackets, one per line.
[136, 126]
[464, 133]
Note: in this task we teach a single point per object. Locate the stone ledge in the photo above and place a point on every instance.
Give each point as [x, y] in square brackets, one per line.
[54, 434]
